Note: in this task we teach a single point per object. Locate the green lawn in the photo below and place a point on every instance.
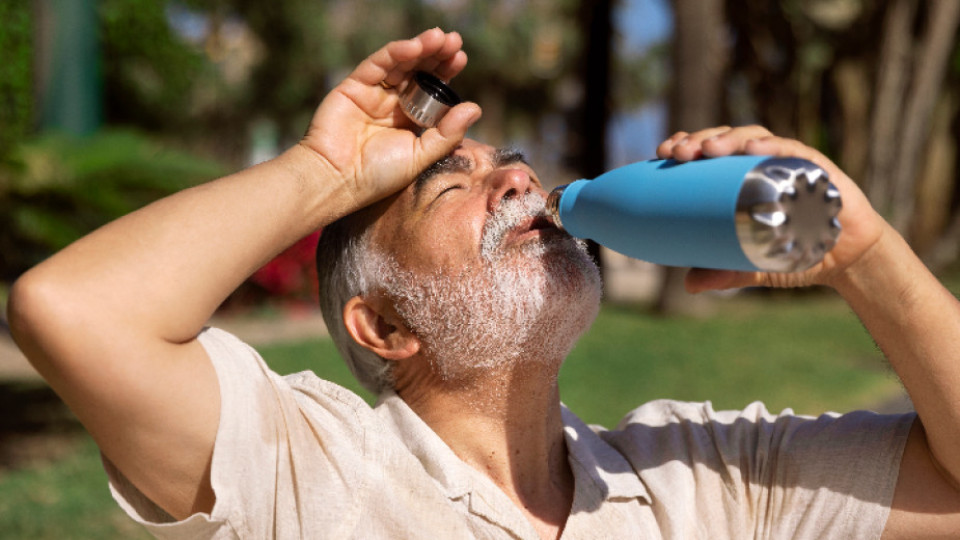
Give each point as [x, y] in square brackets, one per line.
[810, 354]
[806, 352]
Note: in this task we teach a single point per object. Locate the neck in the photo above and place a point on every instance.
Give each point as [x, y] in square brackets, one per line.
[508, 426]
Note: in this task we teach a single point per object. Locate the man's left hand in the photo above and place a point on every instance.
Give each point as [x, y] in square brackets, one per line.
[862, 226]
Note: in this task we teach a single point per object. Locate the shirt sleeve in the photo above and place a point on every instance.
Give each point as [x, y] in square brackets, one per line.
[761, 475]
[264, 443]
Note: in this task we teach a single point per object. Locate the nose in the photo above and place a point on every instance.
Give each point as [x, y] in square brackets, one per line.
[507, 183]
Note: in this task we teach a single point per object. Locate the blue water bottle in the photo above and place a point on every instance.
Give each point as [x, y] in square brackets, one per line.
[736, 213]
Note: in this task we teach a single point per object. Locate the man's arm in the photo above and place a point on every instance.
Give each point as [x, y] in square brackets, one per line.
[916, 323]
[111, 321]
[910, 315]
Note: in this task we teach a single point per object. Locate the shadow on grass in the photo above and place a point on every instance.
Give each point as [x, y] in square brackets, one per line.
[35, 426]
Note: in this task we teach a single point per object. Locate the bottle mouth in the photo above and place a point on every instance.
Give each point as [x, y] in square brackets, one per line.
[553, 205]
[427, 99]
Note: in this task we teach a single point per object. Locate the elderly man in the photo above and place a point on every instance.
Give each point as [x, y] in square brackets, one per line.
[452, 297]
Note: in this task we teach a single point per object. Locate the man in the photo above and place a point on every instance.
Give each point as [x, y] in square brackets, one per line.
[458, 302]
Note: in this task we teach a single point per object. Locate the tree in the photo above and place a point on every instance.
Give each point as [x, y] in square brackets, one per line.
[870, 85]
[16, 74]
[912, 69]
[696, 102]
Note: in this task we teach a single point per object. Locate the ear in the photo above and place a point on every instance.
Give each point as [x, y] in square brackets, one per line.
[375, 325]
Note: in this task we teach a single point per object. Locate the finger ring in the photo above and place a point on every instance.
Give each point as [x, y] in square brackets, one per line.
[385, 85]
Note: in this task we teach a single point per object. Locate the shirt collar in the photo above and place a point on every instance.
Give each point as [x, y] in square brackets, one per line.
[596, 465]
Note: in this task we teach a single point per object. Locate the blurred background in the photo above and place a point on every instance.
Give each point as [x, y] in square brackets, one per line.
[106, 105]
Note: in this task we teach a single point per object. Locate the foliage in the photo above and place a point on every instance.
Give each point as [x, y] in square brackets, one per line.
[149, 74]
[56, 188]
[867, 83]
[254, 60]
[16, 73]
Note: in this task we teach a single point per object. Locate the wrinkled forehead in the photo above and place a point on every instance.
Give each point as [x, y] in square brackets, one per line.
[465, 158]
[391, 216]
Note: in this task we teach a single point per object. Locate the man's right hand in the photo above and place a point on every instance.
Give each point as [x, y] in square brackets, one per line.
[362, 137]
[111, 321]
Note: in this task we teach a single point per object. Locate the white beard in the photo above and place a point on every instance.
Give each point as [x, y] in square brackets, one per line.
[529, 302]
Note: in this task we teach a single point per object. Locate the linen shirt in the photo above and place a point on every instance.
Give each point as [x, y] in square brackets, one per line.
[300, 457]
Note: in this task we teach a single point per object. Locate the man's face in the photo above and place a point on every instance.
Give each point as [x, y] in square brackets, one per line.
[481, 276]
[436, 223]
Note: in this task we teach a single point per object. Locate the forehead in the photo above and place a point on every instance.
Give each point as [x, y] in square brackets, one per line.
[470, 156]
[398, 211]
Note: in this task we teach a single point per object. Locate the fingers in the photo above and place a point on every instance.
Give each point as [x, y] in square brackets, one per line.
[754, 140]
[712, 142]
[685, 146]
[433, 51]
[699, 280]
[702, 279]
[437, 142]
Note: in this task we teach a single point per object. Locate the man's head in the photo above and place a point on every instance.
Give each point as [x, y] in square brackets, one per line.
[460, 270]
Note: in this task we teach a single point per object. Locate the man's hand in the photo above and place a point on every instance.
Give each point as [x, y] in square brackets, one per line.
[112, 320]
[862, 226]
[362, 136]
[914, 320]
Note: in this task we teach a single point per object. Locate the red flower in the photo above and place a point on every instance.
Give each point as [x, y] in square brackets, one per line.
[292, 274]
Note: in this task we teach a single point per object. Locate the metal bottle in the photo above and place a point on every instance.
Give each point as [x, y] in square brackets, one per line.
[744, 213]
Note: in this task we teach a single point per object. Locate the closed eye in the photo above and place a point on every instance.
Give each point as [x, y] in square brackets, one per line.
[448, 189]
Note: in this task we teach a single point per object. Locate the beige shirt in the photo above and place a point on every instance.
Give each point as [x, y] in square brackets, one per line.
[299, 457]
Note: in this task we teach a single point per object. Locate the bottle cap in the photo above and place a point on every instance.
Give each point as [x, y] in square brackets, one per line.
[426, 99]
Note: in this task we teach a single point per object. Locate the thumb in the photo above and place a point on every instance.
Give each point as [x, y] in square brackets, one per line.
[435, 143]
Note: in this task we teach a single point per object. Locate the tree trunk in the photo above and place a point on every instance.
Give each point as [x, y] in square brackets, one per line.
[931, 65]
[852, 83]
[892, 79]
[699, 60]
[931, 237]
[588, 137]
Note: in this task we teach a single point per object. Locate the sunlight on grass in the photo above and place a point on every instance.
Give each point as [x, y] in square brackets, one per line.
[810, 354]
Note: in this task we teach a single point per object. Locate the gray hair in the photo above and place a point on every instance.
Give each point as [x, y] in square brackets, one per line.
[347, 267]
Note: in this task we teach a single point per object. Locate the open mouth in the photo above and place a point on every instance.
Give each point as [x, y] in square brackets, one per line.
[517, 221]
[541, 222]
[532, 226]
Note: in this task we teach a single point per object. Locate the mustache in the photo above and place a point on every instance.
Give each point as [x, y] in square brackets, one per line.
[507, 216]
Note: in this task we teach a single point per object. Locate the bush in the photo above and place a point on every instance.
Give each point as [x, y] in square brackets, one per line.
[56, 188]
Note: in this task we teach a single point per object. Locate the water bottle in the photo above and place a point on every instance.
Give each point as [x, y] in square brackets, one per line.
[746, 213]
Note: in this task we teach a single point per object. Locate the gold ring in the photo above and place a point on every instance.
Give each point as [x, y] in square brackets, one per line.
[385, 85]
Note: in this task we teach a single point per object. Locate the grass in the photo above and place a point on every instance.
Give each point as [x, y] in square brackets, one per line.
[64, 500]
[807, 352]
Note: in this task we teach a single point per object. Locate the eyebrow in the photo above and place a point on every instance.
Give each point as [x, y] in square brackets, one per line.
[501, 157]
[508, 156]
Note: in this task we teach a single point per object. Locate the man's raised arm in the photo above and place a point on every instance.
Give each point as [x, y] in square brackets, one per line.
[911, 316]
[111, 321]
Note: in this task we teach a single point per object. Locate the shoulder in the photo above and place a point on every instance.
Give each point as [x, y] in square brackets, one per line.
[248, 383]
[691, 428]
[750, 468]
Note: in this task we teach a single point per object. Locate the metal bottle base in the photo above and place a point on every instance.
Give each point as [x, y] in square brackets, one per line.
[786, 215]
